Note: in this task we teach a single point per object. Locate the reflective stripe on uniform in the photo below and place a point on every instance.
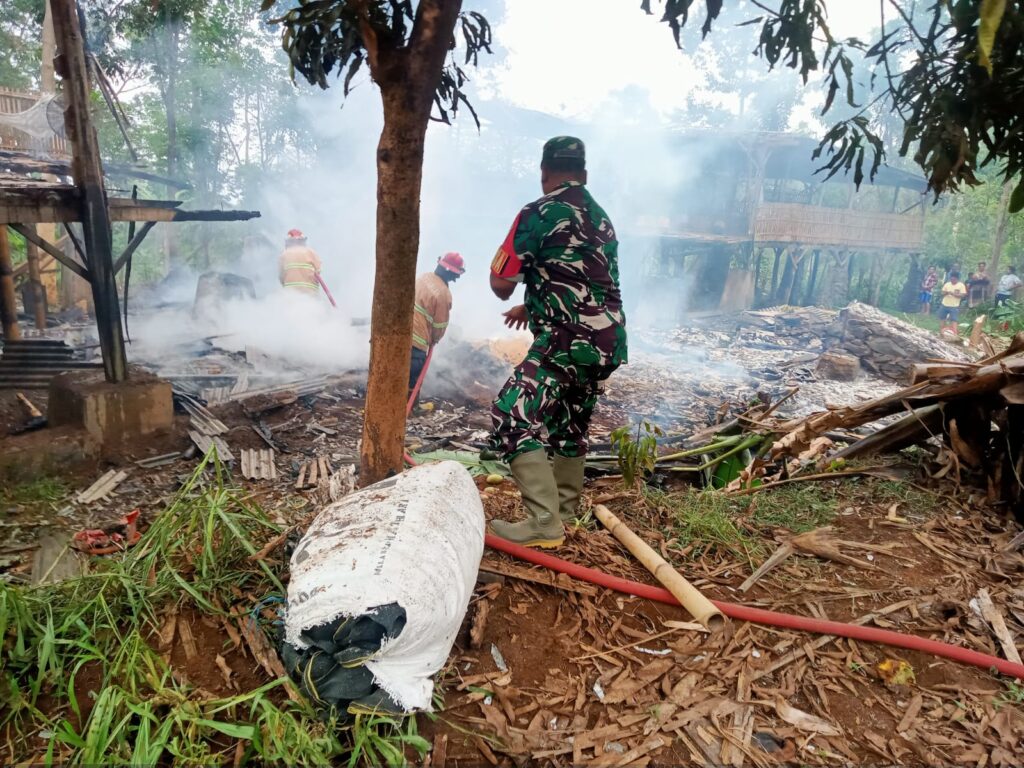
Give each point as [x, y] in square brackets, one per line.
[430, 318]
[300, 285]
[418, 340]
[302, 265]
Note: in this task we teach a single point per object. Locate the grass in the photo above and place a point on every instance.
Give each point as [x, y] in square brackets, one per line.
[707, 520]
[194, 556]
[929, 322]
[799, 507]
[1013, 695]
[38, 491]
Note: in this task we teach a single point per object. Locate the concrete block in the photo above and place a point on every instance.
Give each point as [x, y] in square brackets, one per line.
[115, 416]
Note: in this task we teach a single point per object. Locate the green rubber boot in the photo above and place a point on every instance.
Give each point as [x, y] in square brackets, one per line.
[569, 479]
[542, 526]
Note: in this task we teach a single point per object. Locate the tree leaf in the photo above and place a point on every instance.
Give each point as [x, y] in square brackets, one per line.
[1017, 197]
[991, 14]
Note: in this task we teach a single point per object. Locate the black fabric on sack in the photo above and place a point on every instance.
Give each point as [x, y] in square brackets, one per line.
[332, 671]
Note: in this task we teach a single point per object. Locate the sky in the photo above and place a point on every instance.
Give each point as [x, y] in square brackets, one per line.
[565, 56]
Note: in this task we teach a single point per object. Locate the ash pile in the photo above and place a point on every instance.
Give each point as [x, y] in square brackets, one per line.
[221, 342]
[814, 357]
[882, 344]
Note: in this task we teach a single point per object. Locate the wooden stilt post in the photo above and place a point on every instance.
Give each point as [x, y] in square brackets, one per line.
[8, 309]
[87, 171]
[35, 283]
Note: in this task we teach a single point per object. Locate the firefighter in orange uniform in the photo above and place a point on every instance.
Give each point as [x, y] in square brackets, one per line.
[433, 307]
[299, 266]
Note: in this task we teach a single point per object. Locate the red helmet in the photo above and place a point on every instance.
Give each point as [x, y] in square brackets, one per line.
[296, 234]
[453, 263]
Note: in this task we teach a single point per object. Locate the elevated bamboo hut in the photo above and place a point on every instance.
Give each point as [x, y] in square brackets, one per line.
[742, 197]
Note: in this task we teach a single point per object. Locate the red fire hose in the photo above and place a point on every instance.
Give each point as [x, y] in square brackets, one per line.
[412, 398]
[419, 380]
[759, 616]
[326, 290]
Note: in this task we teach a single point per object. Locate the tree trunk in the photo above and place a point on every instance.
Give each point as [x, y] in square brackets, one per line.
[8, 309]
[793, 299]
[812, 282]
[407, 79]
[1000, 239]
[35, 283]
[170, 99]
[876, 278]
[910, 295]
[757, 277]
[838, 285]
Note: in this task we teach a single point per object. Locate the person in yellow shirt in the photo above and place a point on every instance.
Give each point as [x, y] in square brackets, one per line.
[953, 292]
[433, 307]
[299, 265]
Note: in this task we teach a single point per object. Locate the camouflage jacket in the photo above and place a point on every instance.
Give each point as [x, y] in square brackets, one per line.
[563, 248]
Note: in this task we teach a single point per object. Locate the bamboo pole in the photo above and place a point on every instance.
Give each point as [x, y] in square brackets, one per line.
[702, 609]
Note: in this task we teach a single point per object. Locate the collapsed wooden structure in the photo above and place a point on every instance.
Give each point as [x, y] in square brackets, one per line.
[742, 196]
[975, 411]
[66, 190]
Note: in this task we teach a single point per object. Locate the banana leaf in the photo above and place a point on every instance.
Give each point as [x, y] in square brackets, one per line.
[469, 460]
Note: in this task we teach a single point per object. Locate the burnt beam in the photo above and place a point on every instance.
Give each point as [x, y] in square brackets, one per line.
[87, 171]
[29, 234]
[135, 243]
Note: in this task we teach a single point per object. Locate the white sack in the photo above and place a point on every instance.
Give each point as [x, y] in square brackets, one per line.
[415, 539]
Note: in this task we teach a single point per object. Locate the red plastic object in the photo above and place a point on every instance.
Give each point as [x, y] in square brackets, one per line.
[326, 290]
[759, 616]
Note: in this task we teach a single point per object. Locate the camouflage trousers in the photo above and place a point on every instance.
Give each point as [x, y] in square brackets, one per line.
[546, 394]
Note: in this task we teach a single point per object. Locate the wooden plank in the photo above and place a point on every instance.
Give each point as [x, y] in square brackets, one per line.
[103, 487]
[59, 206]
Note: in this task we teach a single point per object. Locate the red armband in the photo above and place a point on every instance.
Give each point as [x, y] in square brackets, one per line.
[507, 263]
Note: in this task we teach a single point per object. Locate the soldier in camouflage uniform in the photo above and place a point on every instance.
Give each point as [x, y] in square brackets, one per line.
[563, 248]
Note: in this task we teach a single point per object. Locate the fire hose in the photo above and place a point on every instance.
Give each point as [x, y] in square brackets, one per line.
[741, 612]
[759, 615]
[412, 397]
[326, 290]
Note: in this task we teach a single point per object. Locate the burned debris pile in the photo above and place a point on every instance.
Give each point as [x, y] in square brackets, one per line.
[880, 342]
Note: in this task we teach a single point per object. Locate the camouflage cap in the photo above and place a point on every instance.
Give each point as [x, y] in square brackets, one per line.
[564, 148]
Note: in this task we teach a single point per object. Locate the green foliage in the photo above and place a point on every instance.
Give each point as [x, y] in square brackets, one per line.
[99, 627]
[216, 109]
[1013, 695]
[949, 71]
[319, 36]
[637, 455]
[21, 23]
[471, 461]
[40, 490]
[1010, 315]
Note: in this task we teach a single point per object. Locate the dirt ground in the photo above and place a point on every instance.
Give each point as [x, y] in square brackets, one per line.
[571, 673]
